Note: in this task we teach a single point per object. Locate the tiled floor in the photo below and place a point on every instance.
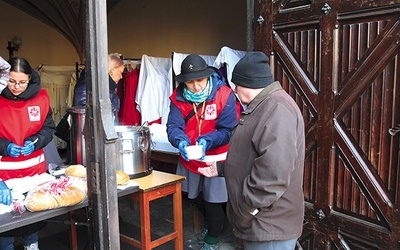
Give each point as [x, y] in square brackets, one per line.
[56, 235]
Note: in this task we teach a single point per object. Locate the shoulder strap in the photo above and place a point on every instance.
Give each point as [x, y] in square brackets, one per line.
[190, 115]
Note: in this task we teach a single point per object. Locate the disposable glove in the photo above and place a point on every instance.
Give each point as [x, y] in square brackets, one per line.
[28, 147]
[13, 150]
[182, 149]
[203, 143]
[5, 194]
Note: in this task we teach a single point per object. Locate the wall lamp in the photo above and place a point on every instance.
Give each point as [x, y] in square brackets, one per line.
[14, 45]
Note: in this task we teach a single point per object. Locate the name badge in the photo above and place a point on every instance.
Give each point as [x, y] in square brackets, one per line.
[211, 112]
[34, 113]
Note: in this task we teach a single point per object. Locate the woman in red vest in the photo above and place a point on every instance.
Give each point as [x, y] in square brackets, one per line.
[26, 126]
[203, 111]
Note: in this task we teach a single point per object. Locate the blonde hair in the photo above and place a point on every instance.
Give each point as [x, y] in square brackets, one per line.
[114, 61]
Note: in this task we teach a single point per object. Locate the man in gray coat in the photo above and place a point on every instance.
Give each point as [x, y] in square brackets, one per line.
[265, 162]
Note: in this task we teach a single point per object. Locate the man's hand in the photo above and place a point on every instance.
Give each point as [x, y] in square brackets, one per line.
[209, 171]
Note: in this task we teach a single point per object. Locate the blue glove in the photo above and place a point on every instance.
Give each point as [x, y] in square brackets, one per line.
[203, 143]
[28, 147]
[5, 194]
[13, 150]
[182, 149]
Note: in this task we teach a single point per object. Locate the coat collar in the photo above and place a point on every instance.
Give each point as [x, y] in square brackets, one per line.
[262, 96]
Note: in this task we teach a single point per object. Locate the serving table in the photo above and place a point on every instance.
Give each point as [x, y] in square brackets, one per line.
[13, 220]
[151, 187]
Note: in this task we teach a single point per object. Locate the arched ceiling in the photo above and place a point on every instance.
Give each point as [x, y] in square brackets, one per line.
[65, 16]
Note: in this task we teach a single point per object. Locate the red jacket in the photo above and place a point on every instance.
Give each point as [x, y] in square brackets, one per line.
[212, 110]
[23, 119]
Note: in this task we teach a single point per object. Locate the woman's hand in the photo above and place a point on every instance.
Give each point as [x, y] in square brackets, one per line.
[182, 150]
[28, 148]
[209, 171]
[13, 150]
[203, 143]
[5, 194]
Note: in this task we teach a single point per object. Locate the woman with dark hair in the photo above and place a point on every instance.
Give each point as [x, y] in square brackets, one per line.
[25, 129]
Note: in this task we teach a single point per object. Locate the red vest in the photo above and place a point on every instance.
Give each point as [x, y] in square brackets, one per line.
[212, 109]
[23, 119]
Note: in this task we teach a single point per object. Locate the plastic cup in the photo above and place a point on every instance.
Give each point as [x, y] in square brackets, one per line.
[195, 152]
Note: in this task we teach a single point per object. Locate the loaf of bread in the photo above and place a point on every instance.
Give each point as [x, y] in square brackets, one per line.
[78, 171]
[122, 178]
[57, 193]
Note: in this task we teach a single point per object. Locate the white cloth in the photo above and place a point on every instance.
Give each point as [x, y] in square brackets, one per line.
[229, 57]
[56, 80]
[159, 139]
[5, 209]
[25, 184]
[4, 73]
[154, 89]
[20, 186]
[158, 131]
[131, 183]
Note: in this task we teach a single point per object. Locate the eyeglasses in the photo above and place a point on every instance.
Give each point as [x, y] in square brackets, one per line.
[20, 83]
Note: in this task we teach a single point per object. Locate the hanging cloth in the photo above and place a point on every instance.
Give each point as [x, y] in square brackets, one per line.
[128, 114]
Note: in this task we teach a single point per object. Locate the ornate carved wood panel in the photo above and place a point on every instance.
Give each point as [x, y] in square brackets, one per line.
[340, 61]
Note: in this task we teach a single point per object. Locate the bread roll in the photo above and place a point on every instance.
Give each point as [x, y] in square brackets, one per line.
[78, 171]
[122, 178]
[57, 193]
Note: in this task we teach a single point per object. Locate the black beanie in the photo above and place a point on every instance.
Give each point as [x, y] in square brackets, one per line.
[252, 71]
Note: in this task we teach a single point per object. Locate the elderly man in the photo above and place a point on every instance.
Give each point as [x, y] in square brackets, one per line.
[265, 161]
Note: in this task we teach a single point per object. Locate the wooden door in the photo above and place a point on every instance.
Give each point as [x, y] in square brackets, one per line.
[340, 61]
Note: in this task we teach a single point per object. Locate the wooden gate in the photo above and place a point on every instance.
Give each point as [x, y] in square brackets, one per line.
[340, 61]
